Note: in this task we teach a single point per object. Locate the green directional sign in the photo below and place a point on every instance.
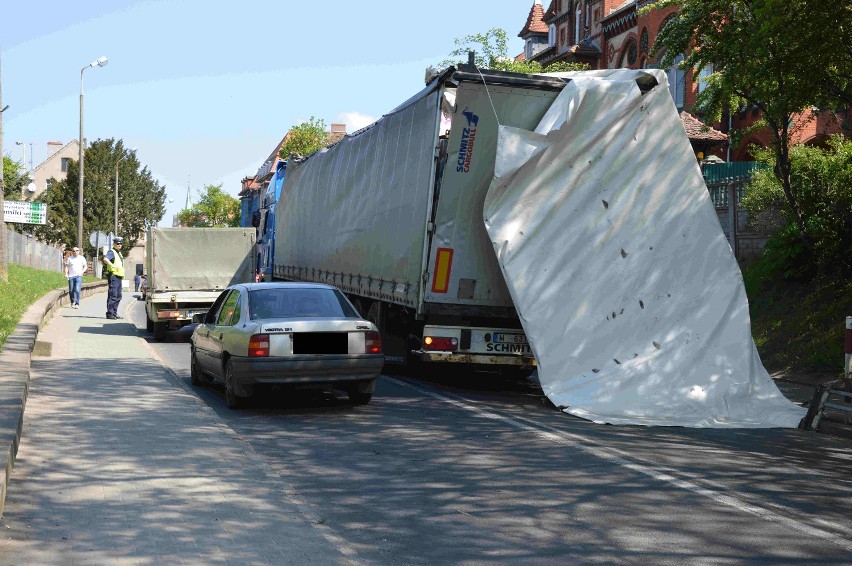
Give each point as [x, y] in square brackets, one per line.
[24, 212]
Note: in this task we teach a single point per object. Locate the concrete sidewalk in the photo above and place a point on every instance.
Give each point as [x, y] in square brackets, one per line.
[118, 465]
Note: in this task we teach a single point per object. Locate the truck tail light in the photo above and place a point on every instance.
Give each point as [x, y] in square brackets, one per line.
[258, 346]
[372, 342]
[440, 343]
[168, 314]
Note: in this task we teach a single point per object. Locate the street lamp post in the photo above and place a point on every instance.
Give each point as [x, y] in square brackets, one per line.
[98, 63]
[24, 149]
[115, 226]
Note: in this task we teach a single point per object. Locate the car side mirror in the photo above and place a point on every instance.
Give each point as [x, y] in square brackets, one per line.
[199, 318]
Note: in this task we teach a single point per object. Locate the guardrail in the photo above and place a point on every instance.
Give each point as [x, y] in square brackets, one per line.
[836, 395]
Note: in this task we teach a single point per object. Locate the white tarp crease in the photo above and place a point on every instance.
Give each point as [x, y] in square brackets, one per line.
[625, 284]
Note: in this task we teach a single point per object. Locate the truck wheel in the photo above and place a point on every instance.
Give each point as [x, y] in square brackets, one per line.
[160, 329]
[374, 315]
[149, 324]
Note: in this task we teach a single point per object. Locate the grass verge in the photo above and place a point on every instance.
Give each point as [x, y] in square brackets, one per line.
[798, 327]
[26, 285]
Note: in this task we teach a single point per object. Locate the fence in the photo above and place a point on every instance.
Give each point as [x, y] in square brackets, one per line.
[24, 249]
[726, 184]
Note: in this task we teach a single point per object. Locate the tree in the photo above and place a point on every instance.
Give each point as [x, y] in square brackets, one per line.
[141, 199]
[215, 209]
[779, 56]
[823, 182]
[491, 51]
[305, 138]
[15, 177]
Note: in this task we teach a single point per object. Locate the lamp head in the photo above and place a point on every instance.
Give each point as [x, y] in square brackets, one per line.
[101, 61]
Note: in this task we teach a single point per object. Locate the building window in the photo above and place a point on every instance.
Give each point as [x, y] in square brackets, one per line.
[643, 42]
[677, 79]
[629, 54]
[577, 15]
[562, 36]
[551, 35]
[703, 76]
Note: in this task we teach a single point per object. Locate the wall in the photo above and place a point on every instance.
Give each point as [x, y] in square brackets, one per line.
[23, 249]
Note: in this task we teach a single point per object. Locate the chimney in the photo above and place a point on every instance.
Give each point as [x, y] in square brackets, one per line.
[338, 128]
[53, 147]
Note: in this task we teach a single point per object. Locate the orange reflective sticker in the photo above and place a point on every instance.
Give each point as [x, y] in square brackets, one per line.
[443, 265]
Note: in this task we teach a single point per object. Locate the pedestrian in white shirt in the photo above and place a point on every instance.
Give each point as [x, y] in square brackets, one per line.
[75, 267]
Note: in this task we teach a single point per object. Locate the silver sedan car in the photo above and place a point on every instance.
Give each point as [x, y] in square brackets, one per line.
[304, 334]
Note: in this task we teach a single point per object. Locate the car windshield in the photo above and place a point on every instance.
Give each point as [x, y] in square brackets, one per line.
[280, 302]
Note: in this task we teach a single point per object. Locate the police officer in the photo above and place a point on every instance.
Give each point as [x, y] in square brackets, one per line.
[114, 265]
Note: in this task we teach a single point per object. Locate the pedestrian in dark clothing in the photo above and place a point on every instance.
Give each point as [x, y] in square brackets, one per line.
[137, 281]
[114, 264]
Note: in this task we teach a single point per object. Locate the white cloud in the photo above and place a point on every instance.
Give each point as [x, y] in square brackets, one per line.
[354, 120]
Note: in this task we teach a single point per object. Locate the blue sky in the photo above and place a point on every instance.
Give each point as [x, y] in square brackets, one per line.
[205, 90]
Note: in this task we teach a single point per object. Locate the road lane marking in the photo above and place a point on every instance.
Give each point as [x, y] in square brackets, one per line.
[617, 457]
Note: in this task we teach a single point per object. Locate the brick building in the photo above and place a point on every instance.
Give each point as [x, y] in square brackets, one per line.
[608, 34]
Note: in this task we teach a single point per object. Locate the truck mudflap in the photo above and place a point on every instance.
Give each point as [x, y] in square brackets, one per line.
[622, 278]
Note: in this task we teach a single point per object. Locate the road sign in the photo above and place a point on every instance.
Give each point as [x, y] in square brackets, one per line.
[24, 212]
[100, 239]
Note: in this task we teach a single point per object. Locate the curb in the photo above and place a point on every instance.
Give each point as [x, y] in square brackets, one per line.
[15, 358]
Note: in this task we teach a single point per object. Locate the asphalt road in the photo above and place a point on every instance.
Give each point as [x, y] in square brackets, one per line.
[457, 468]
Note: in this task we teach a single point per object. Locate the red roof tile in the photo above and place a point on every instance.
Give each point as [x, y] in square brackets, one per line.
[697, 130]
[535, 21]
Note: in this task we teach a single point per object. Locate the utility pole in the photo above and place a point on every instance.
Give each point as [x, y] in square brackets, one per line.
[4, 251]
[187, 193]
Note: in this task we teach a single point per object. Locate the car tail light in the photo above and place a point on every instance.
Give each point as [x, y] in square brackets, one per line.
[168, 314]
[441, 343]
[258, 346]
[372, 342]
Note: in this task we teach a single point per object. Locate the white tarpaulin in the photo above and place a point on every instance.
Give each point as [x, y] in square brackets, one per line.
[625, 284]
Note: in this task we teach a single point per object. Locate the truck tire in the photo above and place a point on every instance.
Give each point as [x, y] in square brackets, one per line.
[160, 329]
[374, 315]
[149, 324]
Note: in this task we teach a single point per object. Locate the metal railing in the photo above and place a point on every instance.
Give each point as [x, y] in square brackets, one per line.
[837, 395]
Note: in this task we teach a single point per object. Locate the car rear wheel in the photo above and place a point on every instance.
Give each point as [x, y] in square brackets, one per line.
[160, 329]
[361, 393]
[234, 398]
[195, 376]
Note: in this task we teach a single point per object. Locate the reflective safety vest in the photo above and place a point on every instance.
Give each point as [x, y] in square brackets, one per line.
[117, 268]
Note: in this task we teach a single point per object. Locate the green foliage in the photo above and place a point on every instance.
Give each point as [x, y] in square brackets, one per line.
[141, 199]
[780, 56]
[25, 286]
[305, 138]
[15, 177]
[797, 325]
[215, 209]
[491, 51]
[821, 180]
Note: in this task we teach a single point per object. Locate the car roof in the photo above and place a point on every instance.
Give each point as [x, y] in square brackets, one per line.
[282, 285]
